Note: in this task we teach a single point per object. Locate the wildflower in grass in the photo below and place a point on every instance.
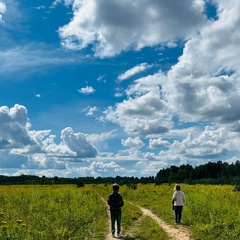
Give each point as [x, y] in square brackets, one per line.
[24, 225]
[4, 227]
[19, 220]
[1, 214]
[3, 222]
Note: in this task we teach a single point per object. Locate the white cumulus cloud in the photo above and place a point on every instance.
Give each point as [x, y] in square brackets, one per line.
[204, 84]
[78, 143]
[133, 142]
[157, 143]
[14, 127]
[113, 26]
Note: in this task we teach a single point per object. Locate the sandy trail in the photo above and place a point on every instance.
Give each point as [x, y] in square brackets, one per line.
[175, 233]
[178, 233]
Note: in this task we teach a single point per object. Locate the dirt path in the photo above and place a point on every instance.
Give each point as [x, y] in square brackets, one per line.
[175, 233]
[178, 233]
[109, 236]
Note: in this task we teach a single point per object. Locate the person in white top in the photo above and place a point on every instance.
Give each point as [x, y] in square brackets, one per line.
[178, 199]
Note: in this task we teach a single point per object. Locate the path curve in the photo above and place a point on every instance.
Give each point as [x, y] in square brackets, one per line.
[178, 233]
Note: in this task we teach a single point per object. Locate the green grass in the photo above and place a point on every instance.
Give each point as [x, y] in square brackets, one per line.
[146, 228]
[51, 212]
[62, 212]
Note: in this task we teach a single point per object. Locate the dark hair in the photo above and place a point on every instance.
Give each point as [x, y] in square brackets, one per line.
[177, 187]
[115, 187]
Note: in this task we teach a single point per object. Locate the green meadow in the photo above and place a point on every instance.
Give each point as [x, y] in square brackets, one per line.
[56, 212]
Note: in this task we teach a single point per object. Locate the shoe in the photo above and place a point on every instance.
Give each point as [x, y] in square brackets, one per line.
[113, 236]
[119, 235]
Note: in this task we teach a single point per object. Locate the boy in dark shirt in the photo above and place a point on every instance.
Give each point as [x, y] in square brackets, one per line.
[115, 201]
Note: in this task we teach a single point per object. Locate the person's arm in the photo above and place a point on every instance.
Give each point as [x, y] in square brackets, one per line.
[174, 197]
[109, 202]
[121, 202]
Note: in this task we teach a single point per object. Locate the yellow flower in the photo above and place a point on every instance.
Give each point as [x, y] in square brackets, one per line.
[24, 225]
[1, 214]
[4, 227]
[19, 220]
[3, 222]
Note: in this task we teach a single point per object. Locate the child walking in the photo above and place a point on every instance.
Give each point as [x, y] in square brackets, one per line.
[178, 199]
[115, 201]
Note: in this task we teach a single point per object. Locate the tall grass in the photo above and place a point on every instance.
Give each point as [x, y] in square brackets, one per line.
[213, 212]
[51, 212]
[66, 212]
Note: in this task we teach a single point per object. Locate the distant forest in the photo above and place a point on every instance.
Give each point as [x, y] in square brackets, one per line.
[210, 173]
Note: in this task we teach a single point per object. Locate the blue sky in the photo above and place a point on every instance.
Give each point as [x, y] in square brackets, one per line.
[106, 88]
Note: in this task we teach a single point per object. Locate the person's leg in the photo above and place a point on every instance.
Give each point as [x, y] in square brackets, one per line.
[119, 217]
[113, 218]
[176, 214]
[180, 214]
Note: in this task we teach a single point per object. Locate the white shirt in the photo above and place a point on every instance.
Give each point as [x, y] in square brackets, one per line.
[178, 197]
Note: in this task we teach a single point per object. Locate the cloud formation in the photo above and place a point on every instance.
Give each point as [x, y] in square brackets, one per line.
[14, 127]
[208, 87]
[145, 112]
[135, 70]
[113, 26]
[199, 87]
[158, 143]
[30, 58]
[133, 142]
[78, 143]
[188, 113]
[87, 90]
[38, 148]
[2, 10]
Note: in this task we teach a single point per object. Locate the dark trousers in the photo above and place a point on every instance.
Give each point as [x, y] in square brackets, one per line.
[116, 217]
[178, 213]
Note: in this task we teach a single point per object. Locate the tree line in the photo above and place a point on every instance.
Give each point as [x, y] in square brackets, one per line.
[209, 173]
[80, 181]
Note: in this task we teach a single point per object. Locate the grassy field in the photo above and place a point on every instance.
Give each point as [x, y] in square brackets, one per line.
[51, 212]
[60, 212]
[211, 212]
